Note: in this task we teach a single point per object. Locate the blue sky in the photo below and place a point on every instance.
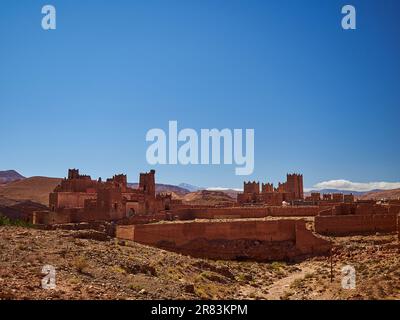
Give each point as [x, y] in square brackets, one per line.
[322, 101]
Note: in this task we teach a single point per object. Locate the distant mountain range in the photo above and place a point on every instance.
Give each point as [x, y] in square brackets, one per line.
[10, 176]
[190, 187]
[230, 192]
[381, 194]
[356, 193]
[167, 188]
[208, 197]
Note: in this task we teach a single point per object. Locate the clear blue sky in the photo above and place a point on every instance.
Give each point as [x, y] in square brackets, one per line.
[323, 101]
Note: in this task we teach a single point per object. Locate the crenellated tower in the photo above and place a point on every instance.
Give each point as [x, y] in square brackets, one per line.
[147, 183]
[251, 187]
[294, 184]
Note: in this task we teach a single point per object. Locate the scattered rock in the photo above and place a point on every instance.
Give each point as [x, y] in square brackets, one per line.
[92, 235]
[189, 288]
[135, 268]
[136, 271]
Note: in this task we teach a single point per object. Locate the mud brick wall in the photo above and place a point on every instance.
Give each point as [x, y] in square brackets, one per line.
[143, 219]
[48, 217]
[216, 213]
[69, 199]
[394, 209]
[181, 233]
[308, 243]
[293, 211]
[230, 212]
[360, 209]
[68, 216]
[186, 236]
[355, 224]
[240, 212]
[398, 227]
[212, 213]
[371, 209]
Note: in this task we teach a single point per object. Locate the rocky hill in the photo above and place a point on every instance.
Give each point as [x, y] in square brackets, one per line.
[208, 197]
[381, 194]
[165, 188]
[10, 176]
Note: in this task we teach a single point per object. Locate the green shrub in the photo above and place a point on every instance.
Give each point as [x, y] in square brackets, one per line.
[5, 221]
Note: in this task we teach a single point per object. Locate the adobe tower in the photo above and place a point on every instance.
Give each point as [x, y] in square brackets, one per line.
[294, 184]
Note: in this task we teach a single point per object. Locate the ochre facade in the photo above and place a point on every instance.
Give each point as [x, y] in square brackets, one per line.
[80, 199]
[288, 191]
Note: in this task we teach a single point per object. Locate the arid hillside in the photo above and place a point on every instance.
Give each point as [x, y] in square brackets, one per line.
[208, 197]
[165, 188]
[230, 192]
[8, 176]
[383, 194]
[35, 189]
[90, 265]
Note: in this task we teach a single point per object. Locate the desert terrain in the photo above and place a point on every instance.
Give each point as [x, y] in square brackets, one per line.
[91, 265]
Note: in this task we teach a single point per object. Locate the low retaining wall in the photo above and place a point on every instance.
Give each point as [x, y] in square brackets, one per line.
[53, 218]
[77, 216]
[67, 216]
[253, 240]
[50, 218]
[355, 224]
[241, 212]
[293, 211]
[359, 209]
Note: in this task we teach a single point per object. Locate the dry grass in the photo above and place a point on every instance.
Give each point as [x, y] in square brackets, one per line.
[81, 264]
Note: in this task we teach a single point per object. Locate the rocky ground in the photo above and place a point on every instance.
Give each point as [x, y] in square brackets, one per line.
[89, 265]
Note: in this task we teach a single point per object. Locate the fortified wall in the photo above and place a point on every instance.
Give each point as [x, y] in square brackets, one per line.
[359, 209]
[245, 212]
[238, 240]
[355, 224]
[347, 219]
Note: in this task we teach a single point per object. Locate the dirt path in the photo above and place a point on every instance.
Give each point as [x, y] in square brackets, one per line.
[273, 291]
[278, 289]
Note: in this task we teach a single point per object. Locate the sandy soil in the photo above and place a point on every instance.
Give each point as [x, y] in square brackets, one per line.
[89, 265]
